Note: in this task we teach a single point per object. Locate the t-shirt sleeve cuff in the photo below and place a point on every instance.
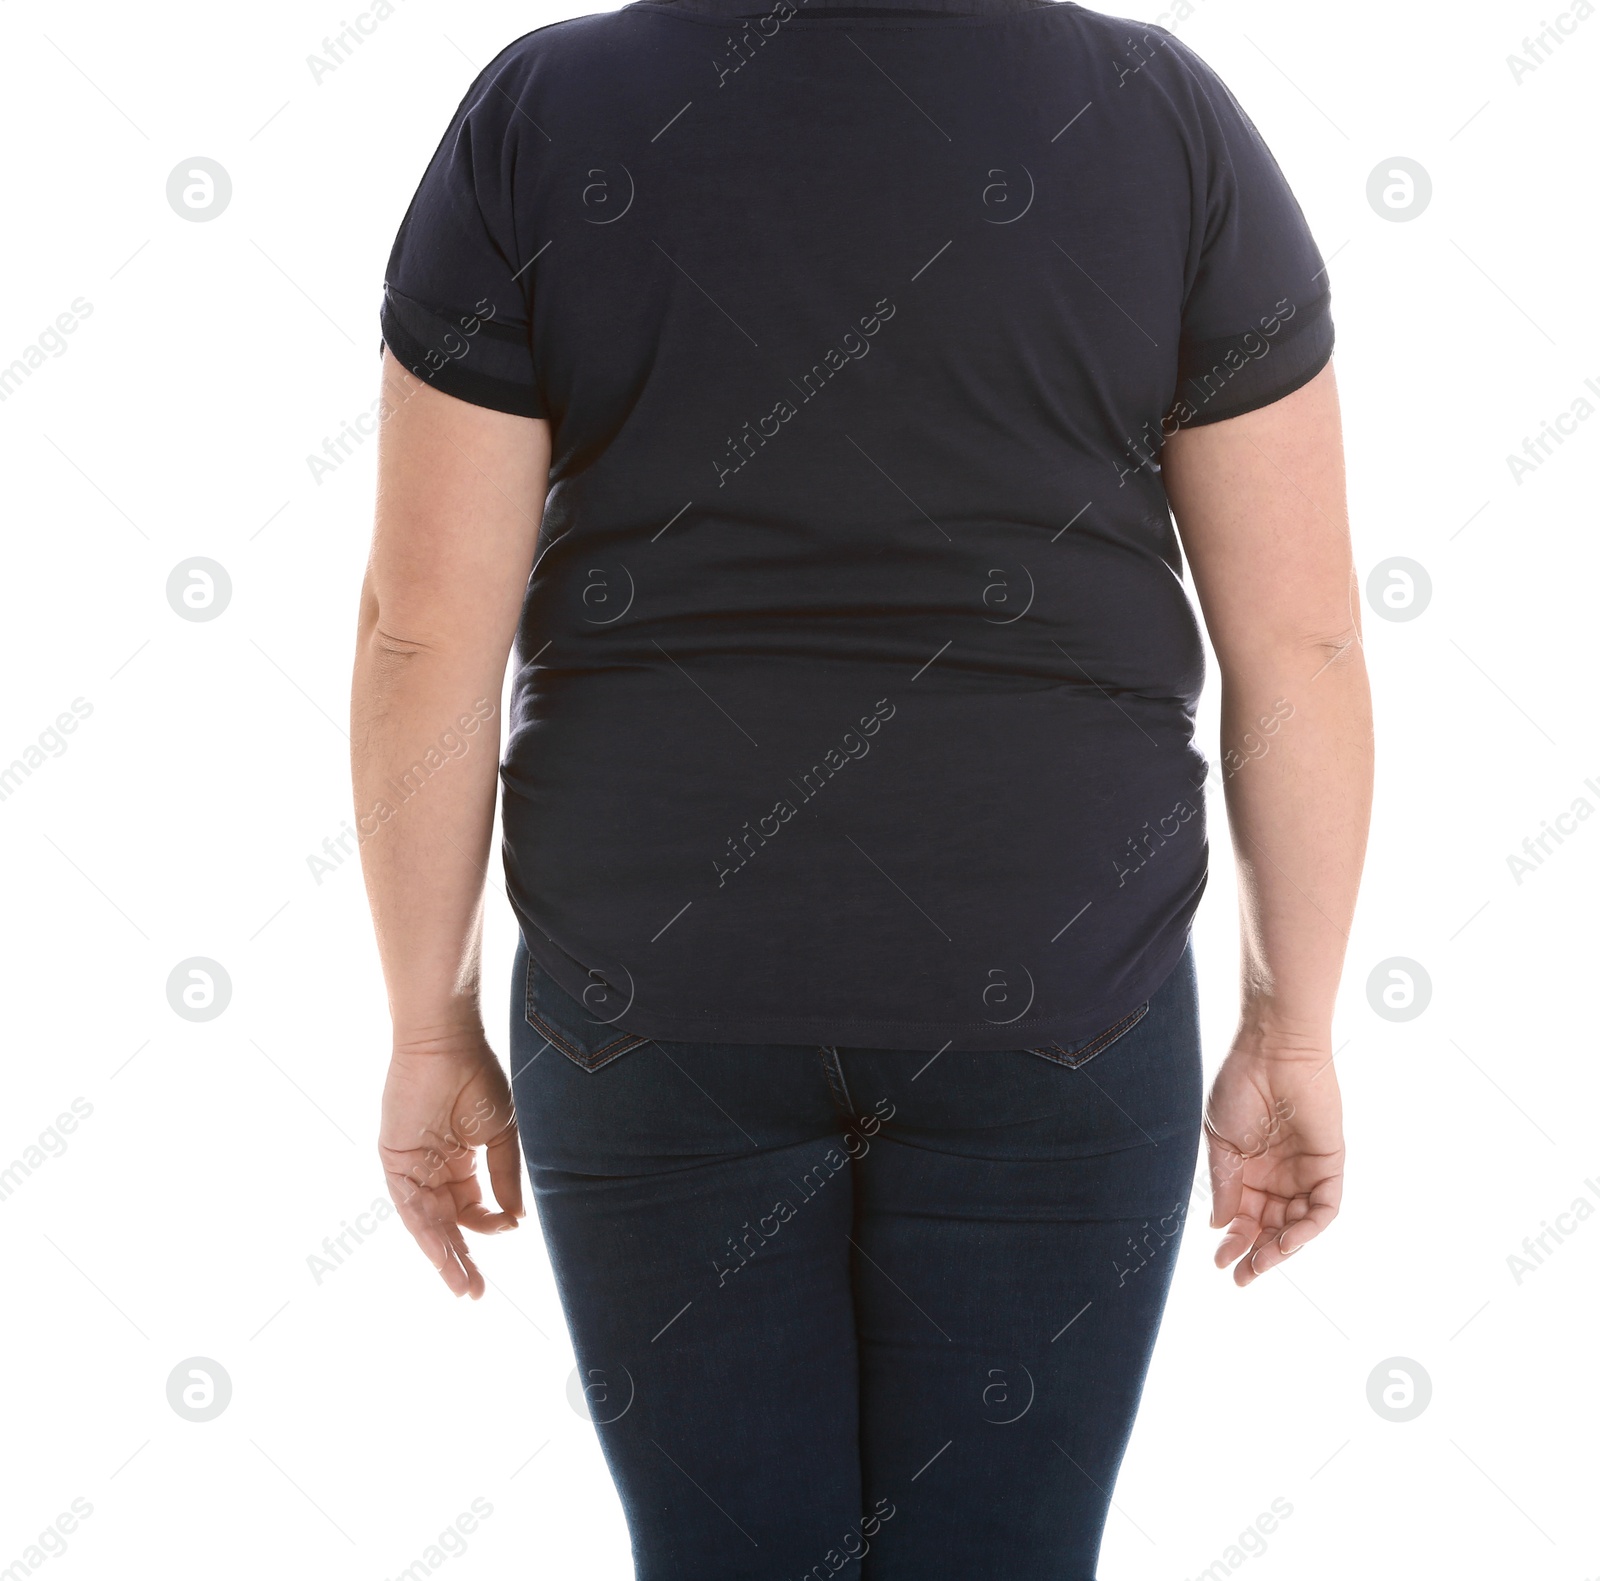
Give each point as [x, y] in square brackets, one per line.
[1241, 373]
[475, 359]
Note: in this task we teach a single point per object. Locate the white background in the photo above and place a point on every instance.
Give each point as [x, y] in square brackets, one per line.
[369, 1410]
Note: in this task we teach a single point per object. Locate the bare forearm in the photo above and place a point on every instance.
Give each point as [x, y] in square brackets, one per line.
[1297, 770]
[459, 492]
[1260, 502]
[425, 748]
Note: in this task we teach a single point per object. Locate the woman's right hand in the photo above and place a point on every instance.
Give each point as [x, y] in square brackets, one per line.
[443, 1100]
[1275, 1132]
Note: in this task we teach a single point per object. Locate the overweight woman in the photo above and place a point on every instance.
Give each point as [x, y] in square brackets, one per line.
[824, 404]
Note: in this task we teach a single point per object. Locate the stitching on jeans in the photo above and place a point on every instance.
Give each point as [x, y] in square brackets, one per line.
[581, 1057]
[1076, 1057]
[834, 1071]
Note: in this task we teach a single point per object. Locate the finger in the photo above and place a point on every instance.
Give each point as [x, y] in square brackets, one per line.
[1261, 1259]
[429, 1214]
[1306, 1220]
[467, 1269]
[434, 1243]
[1226, 1164]
[505, 1172]
[471, 1212]
[1318, 1216]
[459, 1271]
[481, 1219]
[1273, 1212]
[449, 1206]
[1251, 1219]
[1243, 1233]
[1251, 1263]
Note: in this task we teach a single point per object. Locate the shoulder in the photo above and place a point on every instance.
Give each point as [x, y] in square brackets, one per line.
[558, 68]
[1145, 54]
[562, 43]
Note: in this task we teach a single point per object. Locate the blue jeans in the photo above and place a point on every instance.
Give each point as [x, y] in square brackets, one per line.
[861, 1312]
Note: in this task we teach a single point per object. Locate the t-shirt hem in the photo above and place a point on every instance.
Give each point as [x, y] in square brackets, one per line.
[886, 1033]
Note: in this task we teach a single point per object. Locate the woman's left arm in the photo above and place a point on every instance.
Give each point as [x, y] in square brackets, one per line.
[1260, 502]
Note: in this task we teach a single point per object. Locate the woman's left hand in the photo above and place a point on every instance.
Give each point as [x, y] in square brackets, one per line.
[1275, 1134]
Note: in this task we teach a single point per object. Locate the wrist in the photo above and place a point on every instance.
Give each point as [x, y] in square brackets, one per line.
[1270, 1029]
[450, 1033]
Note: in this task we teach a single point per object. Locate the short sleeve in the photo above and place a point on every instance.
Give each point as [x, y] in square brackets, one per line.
[457, 294]
[1257, 320]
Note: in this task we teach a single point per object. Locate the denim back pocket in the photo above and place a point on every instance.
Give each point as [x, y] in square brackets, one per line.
[586, 1039]
[1072, 1055]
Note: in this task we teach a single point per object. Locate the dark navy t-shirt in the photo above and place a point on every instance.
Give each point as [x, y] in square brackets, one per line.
[855, 683]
